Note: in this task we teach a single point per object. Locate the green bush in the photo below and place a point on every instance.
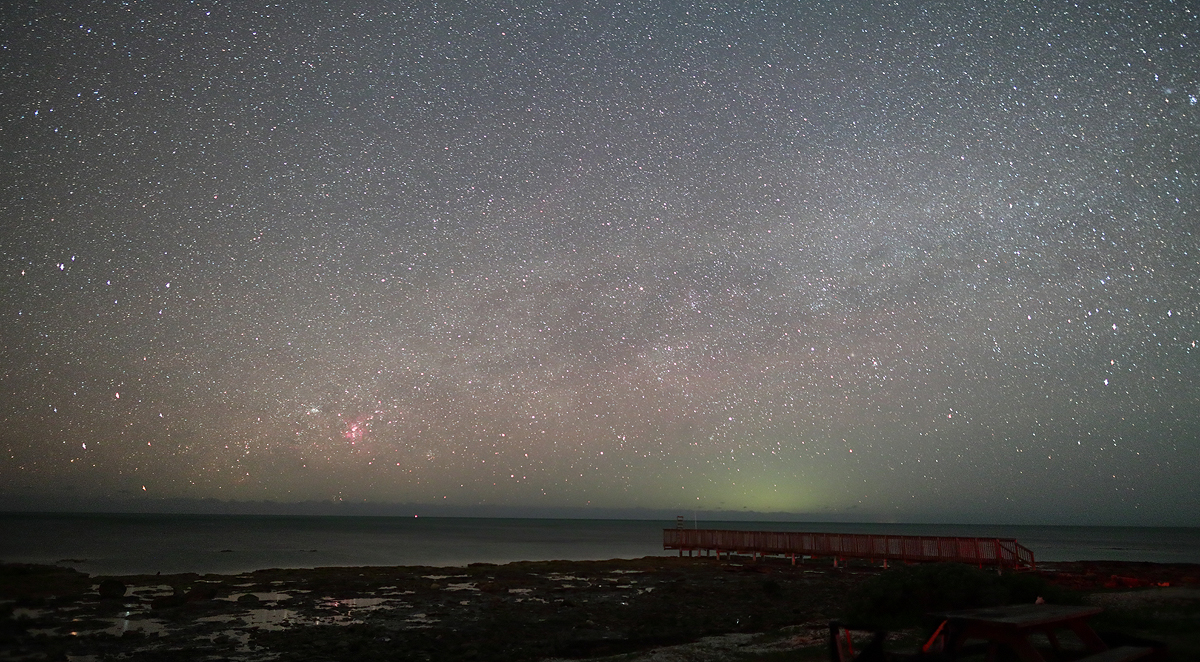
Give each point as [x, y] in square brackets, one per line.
[902, 597]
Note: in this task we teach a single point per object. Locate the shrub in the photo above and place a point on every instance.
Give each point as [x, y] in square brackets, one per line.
[902, 597]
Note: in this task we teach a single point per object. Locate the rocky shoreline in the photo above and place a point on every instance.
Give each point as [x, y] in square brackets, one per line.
[660, 608]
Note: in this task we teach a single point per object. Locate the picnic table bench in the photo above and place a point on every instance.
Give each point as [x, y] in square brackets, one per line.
[1012, 625]
[991, 628]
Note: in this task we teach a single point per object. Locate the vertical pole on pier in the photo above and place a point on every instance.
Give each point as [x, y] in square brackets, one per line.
[885, 564]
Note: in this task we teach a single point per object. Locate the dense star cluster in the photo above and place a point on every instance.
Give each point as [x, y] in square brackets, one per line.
[875, 259]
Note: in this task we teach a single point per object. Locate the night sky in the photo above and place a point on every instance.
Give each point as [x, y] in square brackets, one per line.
[873, 260]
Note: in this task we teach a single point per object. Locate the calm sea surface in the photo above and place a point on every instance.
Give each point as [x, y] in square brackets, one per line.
[128, 544]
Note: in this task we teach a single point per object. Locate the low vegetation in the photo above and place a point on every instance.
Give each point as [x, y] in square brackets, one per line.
[904, 596]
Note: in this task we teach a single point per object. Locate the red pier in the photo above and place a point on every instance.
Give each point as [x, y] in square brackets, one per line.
[999, 552]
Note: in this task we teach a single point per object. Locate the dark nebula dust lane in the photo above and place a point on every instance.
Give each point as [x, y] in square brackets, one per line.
[865, 260]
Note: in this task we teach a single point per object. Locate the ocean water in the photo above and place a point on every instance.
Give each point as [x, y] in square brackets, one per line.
[129, 544]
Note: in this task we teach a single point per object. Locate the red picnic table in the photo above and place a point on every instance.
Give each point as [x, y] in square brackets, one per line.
[1012, 625]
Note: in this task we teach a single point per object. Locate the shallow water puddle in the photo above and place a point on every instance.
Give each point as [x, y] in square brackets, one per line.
[148, 626]
[268, 619]
[116, 627]
[362, 604]
[219, 618]
[420, 621]
[261, 619]
[619, 583]
[29, 612]
[242, 639]
[150, 591]
[264, 596]
[334, 619]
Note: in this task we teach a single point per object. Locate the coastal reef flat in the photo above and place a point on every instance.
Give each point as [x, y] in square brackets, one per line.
[660, 608]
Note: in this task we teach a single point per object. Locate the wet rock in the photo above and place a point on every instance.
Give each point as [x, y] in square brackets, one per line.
[201, 593]
[516, 614]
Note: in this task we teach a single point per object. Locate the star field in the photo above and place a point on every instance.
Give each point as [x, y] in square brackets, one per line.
[868, 259]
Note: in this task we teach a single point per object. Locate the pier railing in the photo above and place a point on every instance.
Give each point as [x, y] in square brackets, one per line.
[1000, 552]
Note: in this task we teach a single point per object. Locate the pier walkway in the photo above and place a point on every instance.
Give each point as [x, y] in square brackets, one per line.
[999, 552]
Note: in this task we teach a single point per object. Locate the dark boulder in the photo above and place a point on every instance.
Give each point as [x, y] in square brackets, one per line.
[112, 589]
